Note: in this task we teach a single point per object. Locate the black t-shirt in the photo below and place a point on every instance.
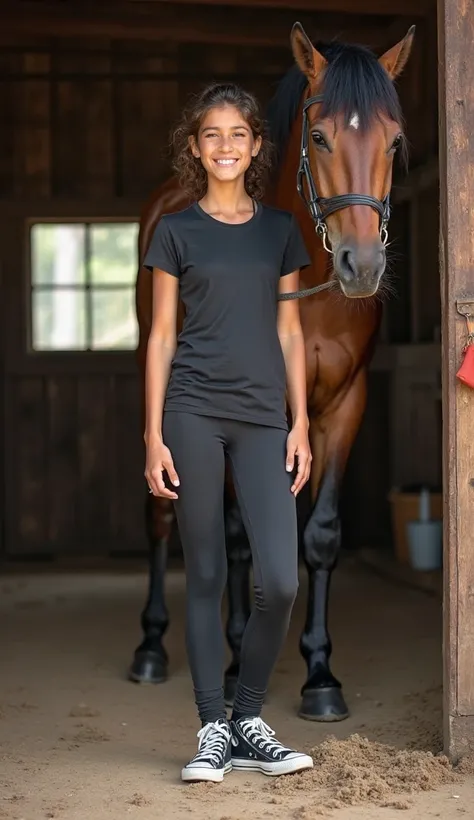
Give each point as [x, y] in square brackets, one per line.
[229, 362]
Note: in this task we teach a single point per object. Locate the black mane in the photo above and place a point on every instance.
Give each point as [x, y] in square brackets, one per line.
[354, 82]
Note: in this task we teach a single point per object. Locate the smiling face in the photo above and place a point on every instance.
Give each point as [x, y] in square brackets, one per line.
[225, 144]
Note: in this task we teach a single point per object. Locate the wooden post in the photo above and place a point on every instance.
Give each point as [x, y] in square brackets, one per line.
[456, 129]
[414, 206]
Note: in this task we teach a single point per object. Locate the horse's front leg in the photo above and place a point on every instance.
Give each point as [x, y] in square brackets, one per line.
[331, 437]
[150, 662]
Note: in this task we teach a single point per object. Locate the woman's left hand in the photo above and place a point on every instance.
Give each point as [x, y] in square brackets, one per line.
[297, 445]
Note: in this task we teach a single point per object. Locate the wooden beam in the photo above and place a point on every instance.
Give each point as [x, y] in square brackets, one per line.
[456, 126]
[163, 21]
[412, 8]
[57, 209]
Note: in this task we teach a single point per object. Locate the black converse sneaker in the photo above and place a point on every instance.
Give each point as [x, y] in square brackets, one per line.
[213, 758]
[255, 748]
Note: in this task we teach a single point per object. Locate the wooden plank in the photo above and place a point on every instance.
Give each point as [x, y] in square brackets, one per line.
[456, 106]
[62, 363]
[27, 498]
[414, 269]
[462, 732]
[7, 140]
[33, 135]
[427, 274]
[63, 483]
[389, 7]
[365, 511]
[263, 24]
[82, 134]
[143, 111]
[63, 208]
[430, 69]
[93, 409]
[136, 132]
[129, 465]
[177, 19]
[2, 415]
[143, 114]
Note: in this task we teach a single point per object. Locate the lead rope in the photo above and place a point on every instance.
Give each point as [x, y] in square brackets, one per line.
[300, 294]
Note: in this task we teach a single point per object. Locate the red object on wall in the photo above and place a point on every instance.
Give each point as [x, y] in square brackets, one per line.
[466, 371]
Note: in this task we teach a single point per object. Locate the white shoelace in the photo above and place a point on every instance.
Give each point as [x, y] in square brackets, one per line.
[213, 738]
[260, 734]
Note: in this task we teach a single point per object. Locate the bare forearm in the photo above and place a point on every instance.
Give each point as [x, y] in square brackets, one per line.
[158, 366]
[293, 348]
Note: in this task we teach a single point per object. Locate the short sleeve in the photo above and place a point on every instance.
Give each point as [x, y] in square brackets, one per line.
[162, 252]
[295, 255]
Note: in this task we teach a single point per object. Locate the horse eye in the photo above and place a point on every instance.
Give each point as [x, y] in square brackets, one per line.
[397, 142]
[318, 139]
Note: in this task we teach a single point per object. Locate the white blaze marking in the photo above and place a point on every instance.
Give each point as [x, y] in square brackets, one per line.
[354, 121]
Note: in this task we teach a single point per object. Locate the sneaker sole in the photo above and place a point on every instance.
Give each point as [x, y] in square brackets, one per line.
[196, 774]
[296, 764]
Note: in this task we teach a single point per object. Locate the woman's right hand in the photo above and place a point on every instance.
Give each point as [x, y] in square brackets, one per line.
[158, 459]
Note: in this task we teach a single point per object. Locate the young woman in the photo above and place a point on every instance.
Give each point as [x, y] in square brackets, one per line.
[220, 391]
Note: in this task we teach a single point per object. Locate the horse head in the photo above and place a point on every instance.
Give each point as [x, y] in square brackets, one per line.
[352, 127]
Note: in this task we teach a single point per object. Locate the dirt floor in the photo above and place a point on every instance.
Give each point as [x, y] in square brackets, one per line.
[78, 741]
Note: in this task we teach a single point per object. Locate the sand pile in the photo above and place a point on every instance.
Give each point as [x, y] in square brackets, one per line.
[356, 771]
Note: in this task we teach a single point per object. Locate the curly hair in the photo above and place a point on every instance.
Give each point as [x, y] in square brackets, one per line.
[191, 174]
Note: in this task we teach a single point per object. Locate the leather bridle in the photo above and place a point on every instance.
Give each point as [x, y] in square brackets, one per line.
[322, 207]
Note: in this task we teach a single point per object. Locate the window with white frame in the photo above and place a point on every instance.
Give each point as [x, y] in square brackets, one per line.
[83, 285]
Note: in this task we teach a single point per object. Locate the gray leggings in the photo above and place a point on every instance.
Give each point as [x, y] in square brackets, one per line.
[256, 453]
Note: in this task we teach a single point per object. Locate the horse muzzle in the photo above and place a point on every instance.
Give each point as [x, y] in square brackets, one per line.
[359, 268]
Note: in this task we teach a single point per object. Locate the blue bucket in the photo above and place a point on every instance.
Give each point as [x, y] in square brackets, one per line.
[425, 544]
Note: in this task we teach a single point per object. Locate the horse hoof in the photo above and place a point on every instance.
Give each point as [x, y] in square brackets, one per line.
[230, 685]
[148, 667]
[326, 705]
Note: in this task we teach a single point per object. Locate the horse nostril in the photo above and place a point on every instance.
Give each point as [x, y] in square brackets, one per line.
[347, 265]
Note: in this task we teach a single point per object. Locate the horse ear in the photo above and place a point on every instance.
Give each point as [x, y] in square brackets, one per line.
[310, 61]
[394, 60]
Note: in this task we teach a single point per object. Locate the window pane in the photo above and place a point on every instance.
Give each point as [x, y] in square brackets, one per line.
[114, 325]
[57, 254]
[114, 255]
[58, 319]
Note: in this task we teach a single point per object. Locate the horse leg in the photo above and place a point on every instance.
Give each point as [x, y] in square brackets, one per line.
[150, 662]
[239, 559]
[332, 436]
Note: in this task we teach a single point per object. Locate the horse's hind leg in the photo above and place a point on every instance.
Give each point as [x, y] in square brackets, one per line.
[150, 662]
[331, 440]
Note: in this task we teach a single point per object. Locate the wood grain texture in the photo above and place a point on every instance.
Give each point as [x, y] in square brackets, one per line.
[456, 104]
[416, 8]
[190, 22]
[53, 18]
[62, 484]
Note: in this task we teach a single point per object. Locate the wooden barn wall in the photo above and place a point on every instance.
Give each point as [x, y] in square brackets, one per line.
[84, 129]
[88, 122]
[90, 119]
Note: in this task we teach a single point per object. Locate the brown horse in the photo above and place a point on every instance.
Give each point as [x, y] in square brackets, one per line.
[336, 123]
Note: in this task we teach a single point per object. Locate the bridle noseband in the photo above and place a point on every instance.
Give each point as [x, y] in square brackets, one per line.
[322, 207]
